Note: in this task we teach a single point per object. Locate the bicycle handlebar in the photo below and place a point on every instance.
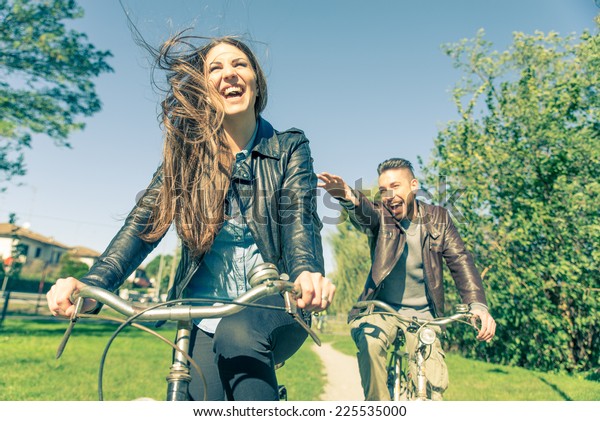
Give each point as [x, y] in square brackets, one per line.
[264, 280]
[160, 312]
[184, 312]
[442, 321]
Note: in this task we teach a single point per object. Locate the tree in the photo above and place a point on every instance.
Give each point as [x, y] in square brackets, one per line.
[69, 266]
[520, 172]
[525, 157]
[153, 268]
[46, 77]
[352, 258]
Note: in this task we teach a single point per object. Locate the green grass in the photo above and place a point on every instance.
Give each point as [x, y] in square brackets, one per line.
[472, 380]
[477, 380]
[303, 375]
[136, 365]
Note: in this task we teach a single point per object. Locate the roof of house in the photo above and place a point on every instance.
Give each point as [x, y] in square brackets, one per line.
[7, 230]
[80, 251]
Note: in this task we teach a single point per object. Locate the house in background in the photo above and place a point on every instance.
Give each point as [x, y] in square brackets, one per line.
[84, 254]
[34, 246]
[41, 252]
[89, 257]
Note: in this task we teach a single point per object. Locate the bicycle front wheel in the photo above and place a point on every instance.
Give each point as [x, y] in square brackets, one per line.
[397, 379]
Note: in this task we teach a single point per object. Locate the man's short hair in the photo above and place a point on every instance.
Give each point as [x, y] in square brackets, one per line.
[395, 163]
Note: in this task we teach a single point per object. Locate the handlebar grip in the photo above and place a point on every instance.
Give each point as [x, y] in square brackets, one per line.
[74, 296]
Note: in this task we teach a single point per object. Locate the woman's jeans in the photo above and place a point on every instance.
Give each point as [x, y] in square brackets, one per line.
[238, 361]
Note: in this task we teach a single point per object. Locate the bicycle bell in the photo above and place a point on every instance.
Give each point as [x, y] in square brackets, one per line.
[427, 335]
[264, 272]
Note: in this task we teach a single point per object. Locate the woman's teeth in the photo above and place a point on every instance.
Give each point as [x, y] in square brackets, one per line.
[232, 91]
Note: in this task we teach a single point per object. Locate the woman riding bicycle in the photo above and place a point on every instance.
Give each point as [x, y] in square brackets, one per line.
[238, 193]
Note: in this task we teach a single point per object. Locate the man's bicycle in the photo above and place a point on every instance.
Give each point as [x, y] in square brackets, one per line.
[401, 384]
[320, 321]
[264, 280]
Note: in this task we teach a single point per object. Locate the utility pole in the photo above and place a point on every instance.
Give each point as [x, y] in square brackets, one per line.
[158, 281]
[173, 267]
[7, 265]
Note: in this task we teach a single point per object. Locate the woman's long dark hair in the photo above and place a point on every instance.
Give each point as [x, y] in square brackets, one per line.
[197, 159]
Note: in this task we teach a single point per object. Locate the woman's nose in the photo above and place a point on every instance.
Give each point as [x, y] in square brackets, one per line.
[229, 72]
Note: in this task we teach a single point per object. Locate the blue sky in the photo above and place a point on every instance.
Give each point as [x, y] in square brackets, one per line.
[365, 80]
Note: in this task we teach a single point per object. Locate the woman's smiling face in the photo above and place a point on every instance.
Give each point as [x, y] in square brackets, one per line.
[230, 71]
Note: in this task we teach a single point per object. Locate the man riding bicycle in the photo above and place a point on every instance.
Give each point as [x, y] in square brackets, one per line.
[408, 240]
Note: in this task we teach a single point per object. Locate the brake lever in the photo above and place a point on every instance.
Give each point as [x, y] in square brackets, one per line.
[265, 272]
[73, 320]
[292, 309]
[476, 322]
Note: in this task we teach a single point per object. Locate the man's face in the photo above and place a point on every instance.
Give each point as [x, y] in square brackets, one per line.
[398, 189]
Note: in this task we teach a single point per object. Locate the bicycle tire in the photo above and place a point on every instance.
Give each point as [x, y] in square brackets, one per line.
[392, 377]
[397, 378]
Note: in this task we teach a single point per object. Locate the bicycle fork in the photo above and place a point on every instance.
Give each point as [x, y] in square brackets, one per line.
[178, 380]
[397, 379]
[426, 337]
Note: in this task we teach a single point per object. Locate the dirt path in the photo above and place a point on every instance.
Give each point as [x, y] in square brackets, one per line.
[343, 379]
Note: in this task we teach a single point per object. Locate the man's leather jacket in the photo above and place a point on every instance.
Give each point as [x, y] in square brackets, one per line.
[281, 213]
[440, 241]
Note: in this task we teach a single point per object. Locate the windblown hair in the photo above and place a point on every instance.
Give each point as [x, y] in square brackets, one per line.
[197, 160]
[395, 163]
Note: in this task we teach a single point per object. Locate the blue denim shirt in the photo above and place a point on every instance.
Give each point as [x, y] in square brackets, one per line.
[224, 270]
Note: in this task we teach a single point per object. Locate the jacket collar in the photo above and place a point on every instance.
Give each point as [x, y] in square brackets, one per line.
[425, 218]
[266, 142]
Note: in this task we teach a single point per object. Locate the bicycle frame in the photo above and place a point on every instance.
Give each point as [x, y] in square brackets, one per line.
[426, 337]
[179, 376]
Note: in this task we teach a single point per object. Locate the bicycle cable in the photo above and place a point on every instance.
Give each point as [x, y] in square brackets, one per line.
[147, 330]
[129, 321]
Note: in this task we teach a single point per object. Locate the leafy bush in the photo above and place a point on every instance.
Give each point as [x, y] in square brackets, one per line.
[524, 163]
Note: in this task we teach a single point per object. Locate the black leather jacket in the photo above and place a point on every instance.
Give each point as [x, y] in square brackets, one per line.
[281, 214]
[440, 241]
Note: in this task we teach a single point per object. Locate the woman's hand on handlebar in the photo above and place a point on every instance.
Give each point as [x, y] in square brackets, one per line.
[317, 291]
[487, 330]
[59, 297]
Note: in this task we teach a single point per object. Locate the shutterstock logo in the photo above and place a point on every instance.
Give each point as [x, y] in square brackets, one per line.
[445, 196]
[286, 206]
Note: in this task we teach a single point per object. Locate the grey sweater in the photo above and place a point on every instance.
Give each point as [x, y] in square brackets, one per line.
[404, 287]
